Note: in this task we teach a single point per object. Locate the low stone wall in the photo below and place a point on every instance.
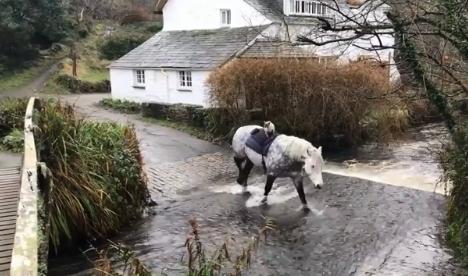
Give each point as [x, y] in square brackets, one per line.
[217, 121]
[192, 114]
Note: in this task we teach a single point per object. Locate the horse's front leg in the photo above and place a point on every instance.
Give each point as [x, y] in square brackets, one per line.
[299, 183]
[269, 184]
[244, 173]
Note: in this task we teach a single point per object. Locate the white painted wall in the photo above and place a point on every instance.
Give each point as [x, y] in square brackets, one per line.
[161, 86]
[205, 14]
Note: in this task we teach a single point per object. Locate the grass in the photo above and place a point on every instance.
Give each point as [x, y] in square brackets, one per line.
[51, 87]
[222, 261]
[90, 66]
[17, 79]
[184, 127]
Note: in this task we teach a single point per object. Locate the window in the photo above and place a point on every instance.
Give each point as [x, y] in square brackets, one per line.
[308, 7]
[185, 80]
[139, 78]
[225, 17]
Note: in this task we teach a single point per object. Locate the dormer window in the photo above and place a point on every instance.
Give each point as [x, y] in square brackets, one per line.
[308, 7]
[225, 18]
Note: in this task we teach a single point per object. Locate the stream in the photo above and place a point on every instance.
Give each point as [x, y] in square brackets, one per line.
[380, 213]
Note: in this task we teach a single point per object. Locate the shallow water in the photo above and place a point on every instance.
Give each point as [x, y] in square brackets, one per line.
[385, 221]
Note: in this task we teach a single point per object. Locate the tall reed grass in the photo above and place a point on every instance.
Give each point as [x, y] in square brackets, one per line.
[99, 185]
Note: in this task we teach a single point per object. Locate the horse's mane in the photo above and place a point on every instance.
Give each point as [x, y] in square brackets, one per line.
[296, 147]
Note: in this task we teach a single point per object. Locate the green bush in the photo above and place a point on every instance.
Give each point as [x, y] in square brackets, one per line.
[75, 85]
[12, 115]
[117, 46]
[154, 28]
[455, 164]
[99, 183]
[13, 141]
[121, 105]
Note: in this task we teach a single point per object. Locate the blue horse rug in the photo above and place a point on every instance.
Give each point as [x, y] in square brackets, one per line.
[259, 141]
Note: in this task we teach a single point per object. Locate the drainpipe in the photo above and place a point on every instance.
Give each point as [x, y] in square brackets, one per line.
[168, 95]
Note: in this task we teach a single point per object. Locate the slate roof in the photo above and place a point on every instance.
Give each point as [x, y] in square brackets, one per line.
[276, 49]
[195, 49]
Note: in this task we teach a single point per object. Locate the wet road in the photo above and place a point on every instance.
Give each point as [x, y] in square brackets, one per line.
[356, 227]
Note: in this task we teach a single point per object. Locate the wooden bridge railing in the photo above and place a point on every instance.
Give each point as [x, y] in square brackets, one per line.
[25, 258]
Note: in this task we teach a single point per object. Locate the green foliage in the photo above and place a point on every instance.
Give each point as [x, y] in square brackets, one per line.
[116, 46]
[12, 115]
[26, 26]
[455, 166]
[13, 141]
[80, 86]
[154, 28]
[99, 184]
[121, 105]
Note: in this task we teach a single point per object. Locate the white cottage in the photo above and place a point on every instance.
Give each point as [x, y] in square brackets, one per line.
[200, 36]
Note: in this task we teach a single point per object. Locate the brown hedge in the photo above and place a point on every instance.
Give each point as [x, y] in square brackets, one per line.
[324, 103]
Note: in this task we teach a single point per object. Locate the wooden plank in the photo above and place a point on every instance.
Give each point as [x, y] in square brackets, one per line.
[8, 214]
[9, 190]
[10, 221]
[6, 242]
[9, 198]
[7, 237]
[6, 219]
[7, 232]
[5, 268]
[6, 250]
[6, 253]
[10, 201]
[10, 209]
[12, 168]
[8, 227]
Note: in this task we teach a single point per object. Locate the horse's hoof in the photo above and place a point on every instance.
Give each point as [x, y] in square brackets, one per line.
[264, 200]
[305, 208]
[152, 203]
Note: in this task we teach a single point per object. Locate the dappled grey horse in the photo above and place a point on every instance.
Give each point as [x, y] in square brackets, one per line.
[284, 156]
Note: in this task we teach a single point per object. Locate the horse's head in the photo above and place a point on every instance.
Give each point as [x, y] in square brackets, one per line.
[313, 163]
[269, 128]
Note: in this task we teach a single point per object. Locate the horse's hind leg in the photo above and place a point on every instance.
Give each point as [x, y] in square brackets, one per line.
[244, 173]
[239, 162]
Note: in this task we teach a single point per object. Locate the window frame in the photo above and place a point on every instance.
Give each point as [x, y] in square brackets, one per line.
[139, 78]
[184, 80]
[309, 8]
[226, 17]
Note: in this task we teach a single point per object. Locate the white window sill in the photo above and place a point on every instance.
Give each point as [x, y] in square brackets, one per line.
[184, 89]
